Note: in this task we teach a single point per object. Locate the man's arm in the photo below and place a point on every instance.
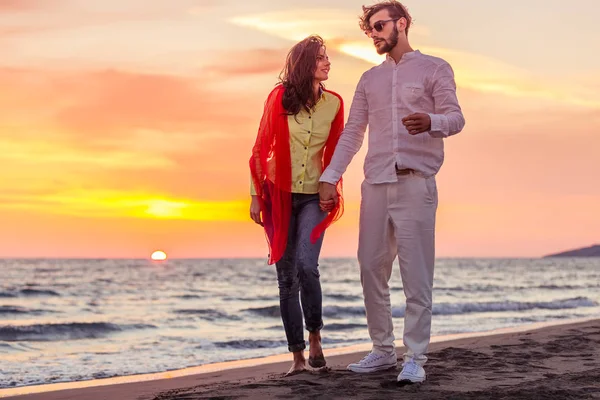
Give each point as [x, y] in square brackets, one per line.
[351, 139]
[447, 119]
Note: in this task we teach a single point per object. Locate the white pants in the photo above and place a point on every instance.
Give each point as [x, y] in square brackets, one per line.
[398, 219]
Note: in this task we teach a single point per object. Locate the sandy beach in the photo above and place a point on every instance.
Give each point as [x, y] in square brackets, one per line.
[553, 362]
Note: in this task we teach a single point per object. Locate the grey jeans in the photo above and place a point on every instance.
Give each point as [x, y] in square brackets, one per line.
[298, 272]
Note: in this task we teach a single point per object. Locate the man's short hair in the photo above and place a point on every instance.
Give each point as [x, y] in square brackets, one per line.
[395, 9]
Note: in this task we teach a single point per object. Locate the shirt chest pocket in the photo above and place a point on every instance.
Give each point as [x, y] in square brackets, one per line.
[412, 93]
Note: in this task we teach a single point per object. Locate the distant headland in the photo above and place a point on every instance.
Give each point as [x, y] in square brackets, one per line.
[592, 251]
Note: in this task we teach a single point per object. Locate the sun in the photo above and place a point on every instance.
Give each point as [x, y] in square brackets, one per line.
[159, 255]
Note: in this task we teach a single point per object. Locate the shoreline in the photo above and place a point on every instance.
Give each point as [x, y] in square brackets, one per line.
[149, 384]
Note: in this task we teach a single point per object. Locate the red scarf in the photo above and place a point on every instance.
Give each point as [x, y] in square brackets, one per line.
[274, 192]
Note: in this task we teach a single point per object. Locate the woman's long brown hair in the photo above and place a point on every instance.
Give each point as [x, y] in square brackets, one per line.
[298, 75]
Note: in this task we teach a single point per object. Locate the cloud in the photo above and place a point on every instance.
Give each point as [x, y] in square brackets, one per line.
[253, 61]
[18, 5]
[201, 6]
[45, 154]
[87, 103]
[111, 99]
[296, 24]
[51, 16]
[102, 203]
[473, 71]
[12, 31]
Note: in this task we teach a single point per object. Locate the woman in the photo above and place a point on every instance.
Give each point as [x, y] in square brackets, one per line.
[298, 132]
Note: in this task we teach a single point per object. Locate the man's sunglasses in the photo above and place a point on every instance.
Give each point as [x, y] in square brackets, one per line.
[378, 26]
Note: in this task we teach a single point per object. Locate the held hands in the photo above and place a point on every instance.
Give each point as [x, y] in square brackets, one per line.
[328, 196]
[255, 210]
[417, 123]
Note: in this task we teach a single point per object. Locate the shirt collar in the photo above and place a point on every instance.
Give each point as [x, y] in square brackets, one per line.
[405, 56]
[321, 94]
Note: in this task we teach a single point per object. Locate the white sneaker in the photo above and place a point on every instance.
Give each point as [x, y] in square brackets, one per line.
[374, 362]
[411, 373]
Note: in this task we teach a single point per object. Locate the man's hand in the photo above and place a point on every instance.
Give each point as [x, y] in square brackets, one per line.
[417, 123]
[255, 210]
[328, 196]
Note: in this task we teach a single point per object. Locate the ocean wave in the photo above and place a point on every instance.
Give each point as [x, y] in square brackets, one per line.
[209, 315]
[344, 327]
[328, 311]
[58, 332]
[343, 311]
[47, 270]
[29, 292]
[16, 310]
[473, 288]
[499, 306]
[470, 288]
[445, 308]
[328, 327]
[328, 341]
[255, 298]
[38, 292]
[568, 287]
[251, 344]
[7, 348]
[271, 311]
[275, 327]
[343, 297]
[502, 306]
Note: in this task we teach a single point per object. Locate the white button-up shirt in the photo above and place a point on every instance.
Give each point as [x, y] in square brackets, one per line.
[385, 94]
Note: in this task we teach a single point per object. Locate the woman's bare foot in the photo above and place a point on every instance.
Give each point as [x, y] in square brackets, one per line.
[314, 340]
[316, 358]
[299, 364]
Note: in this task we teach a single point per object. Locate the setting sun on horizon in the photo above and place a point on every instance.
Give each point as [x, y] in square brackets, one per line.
[159, 255]
[127, 126]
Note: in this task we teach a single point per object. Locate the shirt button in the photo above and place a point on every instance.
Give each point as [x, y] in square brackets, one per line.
[303, 165]
[306, 148]
[300, 182]
[308, 131]
[309, 117]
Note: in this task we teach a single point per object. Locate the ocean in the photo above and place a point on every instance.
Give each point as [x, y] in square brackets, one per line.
[80, 319]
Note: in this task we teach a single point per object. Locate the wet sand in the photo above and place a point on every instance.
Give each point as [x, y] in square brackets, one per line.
[555, 362]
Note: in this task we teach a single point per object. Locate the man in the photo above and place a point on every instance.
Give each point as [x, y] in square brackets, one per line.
[409, 103]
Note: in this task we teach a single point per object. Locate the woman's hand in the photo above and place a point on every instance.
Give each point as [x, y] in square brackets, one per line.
[255, 210]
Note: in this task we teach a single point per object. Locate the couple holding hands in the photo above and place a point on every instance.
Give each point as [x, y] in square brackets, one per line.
[302, 149]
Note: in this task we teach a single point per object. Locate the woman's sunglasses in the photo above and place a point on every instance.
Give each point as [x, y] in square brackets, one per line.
[378, 26]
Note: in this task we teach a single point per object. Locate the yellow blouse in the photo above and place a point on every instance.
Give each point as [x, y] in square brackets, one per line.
[308, 134]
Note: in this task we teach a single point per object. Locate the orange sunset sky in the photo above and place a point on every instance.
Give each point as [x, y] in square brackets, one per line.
[126, 126]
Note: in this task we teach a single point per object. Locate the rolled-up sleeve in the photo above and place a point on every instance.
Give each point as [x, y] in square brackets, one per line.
[448, 118]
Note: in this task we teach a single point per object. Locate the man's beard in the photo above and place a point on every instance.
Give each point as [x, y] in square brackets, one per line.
[390, 43]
